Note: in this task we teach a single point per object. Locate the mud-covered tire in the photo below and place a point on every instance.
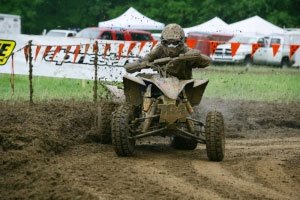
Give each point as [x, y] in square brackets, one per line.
[181, 143]
[121, 118]
[215, 136]
[103, 119]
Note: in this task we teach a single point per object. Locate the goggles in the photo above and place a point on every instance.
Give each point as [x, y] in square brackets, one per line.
[171, 43]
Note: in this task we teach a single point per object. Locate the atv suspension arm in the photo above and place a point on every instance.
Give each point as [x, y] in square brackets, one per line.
[198, 138]
[150, 133]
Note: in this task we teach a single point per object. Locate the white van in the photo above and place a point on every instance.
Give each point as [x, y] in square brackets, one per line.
[243, 55]
[268, 54]
[10, 24]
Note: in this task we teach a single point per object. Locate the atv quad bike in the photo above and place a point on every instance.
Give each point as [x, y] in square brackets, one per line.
[162, 105]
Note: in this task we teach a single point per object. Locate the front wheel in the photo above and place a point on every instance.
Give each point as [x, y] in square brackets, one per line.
[215, 137]
[120, 130]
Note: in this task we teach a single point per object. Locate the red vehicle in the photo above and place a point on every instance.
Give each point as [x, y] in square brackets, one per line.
[115, 34]
[201, 41]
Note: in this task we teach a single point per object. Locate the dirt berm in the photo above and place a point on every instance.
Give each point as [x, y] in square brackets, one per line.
[47, 151]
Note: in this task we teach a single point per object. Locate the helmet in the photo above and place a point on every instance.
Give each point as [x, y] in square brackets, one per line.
[172, 39]
[172, 32]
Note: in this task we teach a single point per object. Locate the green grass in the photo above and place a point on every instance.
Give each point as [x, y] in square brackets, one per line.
[256, 83]
[45, 88]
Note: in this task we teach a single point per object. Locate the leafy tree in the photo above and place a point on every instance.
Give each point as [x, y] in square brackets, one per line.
[37, 15]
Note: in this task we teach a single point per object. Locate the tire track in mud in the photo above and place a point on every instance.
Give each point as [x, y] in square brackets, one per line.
[180, 171]
[253, 169]
[103, 175]
[219, 176]
[271, 171]
[159, 172]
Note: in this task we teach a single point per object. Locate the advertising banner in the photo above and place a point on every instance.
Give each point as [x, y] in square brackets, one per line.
[72, 57]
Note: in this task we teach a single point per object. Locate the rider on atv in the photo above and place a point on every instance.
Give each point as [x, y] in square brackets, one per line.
[173, 45]
[163, 104]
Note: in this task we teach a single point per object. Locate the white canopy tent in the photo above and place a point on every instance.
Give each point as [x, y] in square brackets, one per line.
[254, 25]
[132, 19]
[215, 25]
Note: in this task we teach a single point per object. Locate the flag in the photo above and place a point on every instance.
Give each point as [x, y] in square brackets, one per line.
[121, 46]
[37, 50]
[76, 52]
[191, 43]
[293, 49]
[57, 49]
[142, 44]
[131, 46]
[213, 46]
[234, 47]
[47, 49]
[275, 48]
[255, 46]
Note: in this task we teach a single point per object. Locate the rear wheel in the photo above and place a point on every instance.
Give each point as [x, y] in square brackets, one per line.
[215, 137]
[120, 128]
[103, 119]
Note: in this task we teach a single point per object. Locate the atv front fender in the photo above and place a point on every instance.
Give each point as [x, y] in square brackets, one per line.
[133, 87]
[195, 92]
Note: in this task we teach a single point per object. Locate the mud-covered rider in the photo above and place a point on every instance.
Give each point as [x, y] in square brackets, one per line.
[173, 45]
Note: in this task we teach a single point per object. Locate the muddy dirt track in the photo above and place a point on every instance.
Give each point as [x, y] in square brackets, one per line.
[48, 151]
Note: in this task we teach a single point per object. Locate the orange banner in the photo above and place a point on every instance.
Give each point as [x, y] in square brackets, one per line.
[131, 46]
[106, 48]
[191, 42]
[293, 49]
[275, 48]
[67, 51]
[153, 44]
[87, 46]
[255, 46]
[234, 47]
[213, 46]
[47, 49]
[142, 45]
[57, 49]
[95, 47]
[26, 52]
[76, 52]
[37, 50]
[121, 46]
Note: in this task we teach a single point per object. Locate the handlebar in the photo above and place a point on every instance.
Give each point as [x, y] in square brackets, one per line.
[158, 64]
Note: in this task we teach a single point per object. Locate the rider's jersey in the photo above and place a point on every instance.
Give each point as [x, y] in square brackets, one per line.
[182, 69]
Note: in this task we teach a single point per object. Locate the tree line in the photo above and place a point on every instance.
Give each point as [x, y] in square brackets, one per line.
[38, 15]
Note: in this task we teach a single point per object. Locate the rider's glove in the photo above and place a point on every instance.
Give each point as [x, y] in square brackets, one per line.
[136, 66]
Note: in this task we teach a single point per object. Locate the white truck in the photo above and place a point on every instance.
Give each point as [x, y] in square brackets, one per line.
[61, 33]
[223, 52]
[10, 24]
[275, 50]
